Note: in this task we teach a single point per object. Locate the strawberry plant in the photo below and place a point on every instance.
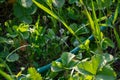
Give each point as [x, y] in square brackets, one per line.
[35, 33]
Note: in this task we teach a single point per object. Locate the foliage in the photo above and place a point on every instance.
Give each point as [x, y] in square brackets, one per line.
[32, 75]
[39, 31]
[95, 69]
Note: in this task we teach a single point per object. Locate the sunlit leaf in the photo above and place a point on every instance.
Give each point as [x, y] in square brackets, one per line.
[107, 73]
[23, 27]
[56, 66]
[34, 75]
[66, 58]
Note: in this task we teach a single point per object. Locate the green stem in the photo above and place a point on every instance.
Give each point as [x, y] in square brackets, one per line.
[5, 75]
[16, 50]
[6, 67]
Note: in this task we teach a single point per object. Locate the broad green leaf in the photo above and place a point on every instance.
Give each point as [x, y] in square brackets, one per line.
[51, 34]
[66, 58]
[34, 75]
[25, 3]
[87, 66]
[3, 40]
[96, 62]
[80, 68]
[108, 57]
[58, 3]
[23, 14]
[31, 10]
[56, 66]
[72, 64]
[12, 35]
[26, 19]
[107, 73]
[90, 67]
[18, 10]
[12, 58]
[25, 35]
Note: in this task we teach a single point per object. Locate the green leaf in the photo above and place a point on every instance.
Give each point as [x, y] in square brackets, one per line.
[107, 73]
[25, 3]
[56, 66]
[34, 75]
[51, 34]
[72, 1]
[93, 64]
[108, 57]
[106, 42]
[66, 58]
[23, 14]
[82, 70]
[5, 40]
[72, 14]
[25, 35]
[12, 58]
[58, 3]
[32, 9]
[96, 62]
[72, 64]
[23, 27]
[12, 35]
[26, 19]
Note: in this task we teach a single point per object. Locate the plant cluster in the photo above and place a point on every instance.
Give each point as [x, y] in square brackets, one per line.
[40, 31]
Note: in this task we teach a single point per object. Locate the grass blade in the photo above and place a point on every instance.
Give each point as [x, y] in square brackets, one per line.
[116, 14]
[117, 37]
[55, 16]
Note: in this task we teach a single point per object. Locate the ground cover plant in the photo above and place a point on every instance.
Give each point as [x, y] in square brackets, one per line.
[34, 33]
